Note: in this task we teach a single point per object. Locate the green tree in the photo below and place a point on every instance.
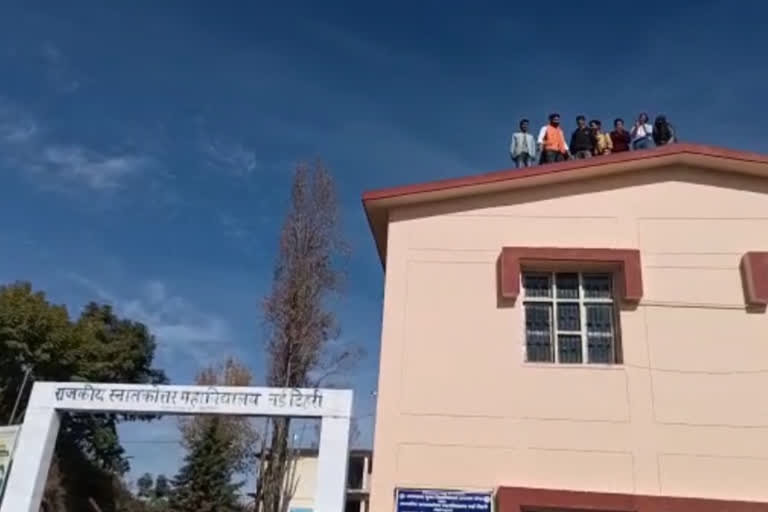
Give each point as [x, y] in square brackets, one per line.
[109, 349]
[151, 495]
[99, 346]
[35, 335]
[162, 487]
[144, 485]
[126, 501]
[237, 431]
[204, 483]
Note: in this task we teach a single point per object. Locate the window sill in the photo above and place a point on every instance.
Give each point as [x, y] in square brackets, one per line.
[580, 366]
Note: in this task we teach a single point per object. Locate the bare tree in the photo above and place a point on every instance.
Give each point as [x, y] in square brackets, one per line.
[300, 323]
[238, 431]
[289, 481]
[54, 494]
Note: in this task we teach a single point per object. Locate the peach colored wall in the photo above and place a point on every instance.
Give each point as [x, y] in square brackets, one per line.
[685, 415]
[306, 479]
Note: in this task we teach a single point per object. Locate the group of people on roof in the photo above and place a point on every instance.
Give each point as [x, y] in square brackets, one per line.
[587, 140]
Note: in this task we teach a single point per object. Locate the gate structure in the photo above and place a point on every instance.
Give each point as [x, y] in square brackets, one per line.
[34, 448]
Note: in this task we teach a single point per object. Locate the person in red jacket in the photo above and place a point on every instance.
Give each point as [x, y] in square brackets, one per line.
[620, 137]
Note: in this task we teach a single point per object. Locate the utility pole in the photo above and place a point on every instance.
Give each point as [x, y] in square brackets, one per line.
[93, 505]
[27, 371]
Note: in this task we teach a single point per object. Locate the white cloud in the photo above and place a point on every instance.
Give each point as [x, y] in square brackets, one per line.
[231, 157]
[18, 133]
[234, 227]
[58, 70]
[156, 291]
[25, 146]
[243, 231]
[16, 125]
[51, 52]
[178, 325]
[97, 171]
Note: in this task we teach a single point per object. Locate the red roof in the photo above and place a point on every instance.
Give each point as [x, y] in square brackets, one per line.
[378, 202]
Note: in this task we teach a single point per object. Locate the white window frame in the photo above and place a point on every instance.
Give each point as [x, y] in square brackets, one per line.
[583, 302]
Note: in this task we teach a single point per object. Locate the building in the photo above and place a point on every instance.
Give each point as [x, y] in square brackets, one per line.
[358, 481]
[586, 335]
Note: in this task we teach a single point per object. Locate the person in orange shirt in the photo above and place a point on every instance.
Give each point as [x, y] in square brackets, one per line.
[552, 145]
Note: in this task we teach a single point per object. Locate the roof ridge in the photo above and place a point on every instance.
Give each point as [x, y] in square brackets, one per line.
[568, 165]
[378, 202]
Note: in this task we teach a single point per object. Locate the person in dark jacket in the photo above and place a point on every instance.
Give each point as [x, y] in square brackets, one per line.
[663, 133]
[582, 140]
[620, 137]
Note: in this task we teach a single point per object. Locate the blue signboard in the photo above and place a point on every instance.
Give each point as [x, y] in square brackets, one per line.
[431, 500]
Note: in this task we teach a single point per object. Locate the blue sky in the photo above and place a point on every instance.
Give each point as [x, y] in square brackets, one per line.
[146, 150]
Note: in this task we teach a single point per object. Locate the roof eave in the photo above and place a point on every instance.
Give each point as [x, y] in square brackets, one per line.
[378, 203]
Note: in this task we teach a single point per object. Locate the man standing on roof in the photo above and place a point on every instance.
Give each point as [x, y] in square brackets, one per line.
[603, 142]
[620, 137]
[642, 133]
[522, 149]
[582, 139]
[552, 141]
[663, 132]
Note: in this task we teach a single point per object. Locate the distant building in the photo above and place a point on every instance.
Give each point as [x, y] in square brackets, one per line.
[358, 481]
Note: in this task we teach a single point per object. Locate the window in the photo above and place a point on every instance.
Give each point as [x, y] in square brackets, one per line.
[355, 473]
[569, 318]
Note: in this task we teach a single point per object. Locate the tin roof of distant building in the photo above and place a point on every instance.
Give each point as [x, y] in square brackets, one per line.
[313, 452]
[377, 203]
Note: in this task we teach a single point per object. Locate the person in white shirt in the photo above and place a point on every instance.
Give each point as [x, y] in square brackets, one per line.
[522, 149]
[642, 133]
